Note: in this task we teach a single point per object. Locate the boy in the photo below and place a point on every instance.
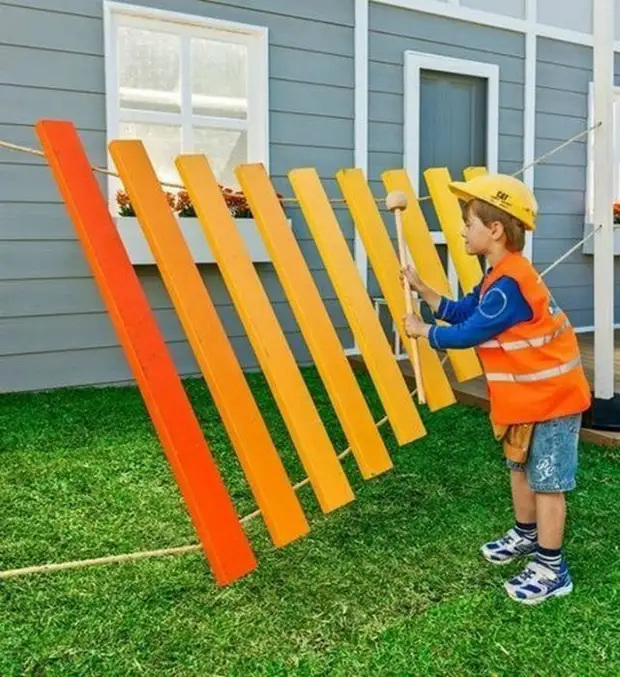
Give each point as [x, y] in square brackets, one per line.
[531, 360]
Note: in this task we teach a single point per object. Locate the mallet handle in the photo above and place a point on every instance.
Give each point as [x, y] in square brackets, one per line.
[409, 307]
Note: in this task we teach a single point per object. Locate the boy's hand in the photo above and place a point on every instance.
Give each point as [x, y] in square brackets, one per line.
[415, 282]
[415, 326]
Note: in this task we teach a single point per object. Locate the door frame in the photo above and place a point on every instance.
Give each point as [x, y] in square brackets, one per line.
[415, 62]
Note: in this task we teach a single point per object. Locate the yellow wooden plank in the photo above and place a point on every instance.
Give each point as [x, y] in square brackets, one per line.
[385, 264]
[450, 217]
[426, 259]
[472, 172]
[356, 305]
[265, 334]
[214, 354]
[314, 322]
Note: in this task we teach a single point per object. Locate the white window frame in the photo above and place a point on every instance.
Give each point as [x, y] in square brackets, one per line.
[589, 210]
[254, 37]
[415, 63]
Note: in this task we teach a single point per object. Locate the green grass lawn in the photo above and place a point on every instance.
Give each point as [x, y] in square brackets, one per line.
[390, 585]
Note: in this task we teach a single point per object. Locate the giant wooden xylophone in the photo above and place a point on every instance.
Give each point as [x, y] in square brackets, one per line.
[213, 514]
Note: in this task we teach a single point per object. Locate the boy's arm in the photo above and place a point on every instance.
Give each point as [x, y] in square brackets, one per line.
[502, 307]
[455, 312]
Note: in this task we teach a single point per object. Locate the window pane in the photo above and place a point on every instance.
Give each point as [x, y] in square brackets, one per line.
[149, 70]
[163, 144]
[225, 149]
[219, 79]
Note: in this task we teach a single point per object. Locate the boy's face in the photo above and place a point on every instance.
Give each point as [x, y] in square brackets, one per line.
[479, 239]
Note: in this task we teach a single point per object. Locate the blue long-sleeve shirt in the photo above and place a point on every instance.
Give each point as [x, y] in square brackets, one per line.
[473, 323]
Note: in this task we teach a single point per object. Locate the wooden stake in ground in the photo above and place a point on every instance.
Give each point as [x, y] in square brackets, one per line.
[396, 202]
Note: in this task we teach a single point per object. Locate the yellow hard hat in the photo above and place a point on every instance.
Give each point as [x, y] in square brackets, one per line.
[502, 191]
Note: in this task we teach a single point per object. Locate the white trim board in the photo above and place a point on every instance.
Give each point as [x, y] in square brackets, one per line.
[361, 116]
[529, 109]
[454, 11]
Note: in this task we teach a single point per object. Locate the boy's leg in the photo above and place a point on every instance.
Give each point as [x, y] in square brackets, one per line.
[551, 511]
[523, 498]
[550, 472]
[520, 540]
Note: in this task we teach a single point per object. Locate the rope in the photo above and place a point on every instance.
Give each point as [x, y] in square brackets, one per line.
[569, 252]
[112, 559]
[181, 550]
[557, 149]
[135, 556]
[108, 172]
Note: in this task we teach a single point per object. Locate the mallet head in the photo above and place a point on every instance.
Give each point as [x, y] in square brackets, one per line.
[396, 200]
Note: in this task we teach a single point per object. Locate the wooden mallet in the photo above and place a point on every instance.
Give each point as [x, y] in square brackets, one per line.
[396, 202]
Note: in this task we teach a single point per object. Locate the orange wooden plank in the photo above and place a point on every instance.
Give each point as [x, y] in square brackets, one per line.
[426, 259]
[250, 438]
[386, 266]
[451, 220]
[357, 307]
[313, 319]
[268, 341]
[208, 502]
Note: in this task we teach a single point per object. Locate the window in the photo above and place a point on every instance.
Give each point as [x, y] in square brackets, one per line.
[186, 84]
[616, 152]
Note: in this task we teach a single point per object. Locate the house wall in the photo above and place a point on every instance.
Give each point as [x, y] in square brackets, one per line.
[54, 330]
[564, 72]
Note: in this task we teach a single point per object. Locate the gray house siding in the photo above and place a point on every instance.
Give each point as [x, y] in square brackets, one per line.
[393, 31]
[54, 330]
[564, 72]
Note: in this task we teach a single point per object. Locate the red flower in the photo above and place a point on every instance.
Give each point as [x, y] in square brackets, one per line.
[181, 203]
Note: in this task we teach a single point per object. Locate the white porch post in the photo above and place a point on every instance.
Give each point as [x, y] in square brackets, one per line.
[603, 199]
[361, 115]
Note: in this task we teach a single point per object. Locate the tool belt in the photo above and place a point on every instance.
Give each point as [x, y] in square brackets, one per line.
[516, 439]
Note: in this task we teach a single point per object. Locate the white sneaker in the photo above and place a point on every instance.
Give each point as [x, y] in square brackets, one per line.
[538, 583]
[508, 548]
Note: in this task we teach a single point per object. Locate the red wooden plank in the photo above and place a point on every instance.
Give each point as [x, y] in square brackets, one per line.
[212, 512]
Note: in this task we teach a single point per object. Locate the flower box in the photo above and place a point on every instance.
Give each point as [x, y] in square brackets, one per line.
[140, 253]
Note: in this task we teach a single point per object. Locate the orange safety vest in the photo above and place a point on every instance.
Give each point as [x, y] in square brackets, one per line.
[533, 370]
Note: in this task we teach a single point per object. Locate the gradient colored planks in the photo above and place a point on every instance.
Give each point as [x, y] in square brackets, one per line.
[386, 266]
[424, 253]
[248, 433]
[272, 350]
[314, 322]
[212, 512]
[369, 335]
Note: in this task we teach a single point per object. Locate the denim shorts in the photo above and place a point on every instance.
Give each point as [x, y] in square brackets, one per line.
[552, 462]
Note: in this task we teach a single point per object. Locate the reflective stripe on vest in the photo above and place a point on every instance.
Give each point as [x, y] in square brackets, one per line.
[537, 342]
[535, 376]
